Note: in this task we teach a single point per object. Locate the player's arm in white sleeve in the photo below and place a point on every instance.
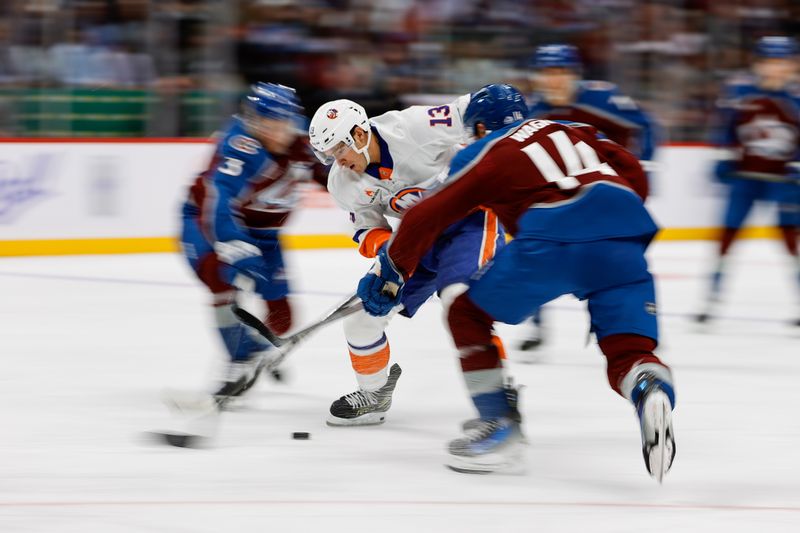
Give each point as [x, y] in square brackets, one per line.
[370, 227]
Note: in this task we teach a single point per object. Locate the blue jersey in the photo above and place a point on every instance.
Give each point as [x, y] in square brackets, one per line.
[603, 106]
[760, 126]
[245, 189]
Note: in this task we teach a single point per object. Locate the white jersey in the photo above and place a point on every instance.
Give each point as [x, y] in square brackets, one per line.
[421, 141]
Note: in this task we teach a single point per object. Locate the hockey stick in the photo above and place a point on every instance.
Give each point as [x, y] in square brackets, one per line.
[201, 413]
[284, 345]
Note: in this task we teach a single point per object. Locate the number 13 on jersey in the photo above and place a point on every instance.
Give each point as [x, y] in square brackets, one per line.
[441, 115]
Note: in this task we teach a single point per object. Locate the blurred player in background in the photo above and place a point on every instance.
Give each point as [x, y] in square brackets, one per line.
[233, 215]
[759, 125]
[561, 94]
[381, 167]
[575, 205]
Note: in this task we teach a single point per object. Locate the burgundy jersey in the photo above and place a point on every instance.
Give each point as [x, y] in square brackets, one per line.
[762, 126]
[246, 188]
[536, 164]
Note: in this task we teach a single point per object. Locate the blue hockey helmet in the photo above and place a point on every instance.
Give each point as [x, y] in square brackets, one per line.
[556, 55]
[495, 106]
[275, 101]
[776, 46]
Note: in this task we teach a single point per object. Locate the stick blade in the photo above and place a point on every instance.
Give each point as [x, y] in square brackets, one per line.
[179, 440]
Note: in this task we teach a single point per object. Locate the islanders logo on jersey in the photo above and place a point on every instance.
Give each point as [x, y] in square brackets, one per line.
[332, 113]
[406, 198]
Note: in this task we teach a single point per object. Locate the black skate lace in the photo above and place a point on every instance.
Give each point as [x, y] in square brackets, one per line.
[361, 398]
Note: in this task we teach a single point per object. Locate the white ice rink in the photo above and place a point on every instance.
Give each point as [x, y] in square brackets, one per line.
[89, 344]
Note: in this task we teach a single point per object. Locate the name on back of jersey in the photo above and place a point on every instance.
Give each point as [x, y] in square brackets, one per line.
[526, 130]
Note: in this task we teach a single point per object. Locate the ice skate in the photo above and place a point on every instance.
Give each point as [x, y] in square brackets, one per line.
[365, 408]
[512, 397]
[240, 376]
[494, 445]
[534, 339]
[653, 399]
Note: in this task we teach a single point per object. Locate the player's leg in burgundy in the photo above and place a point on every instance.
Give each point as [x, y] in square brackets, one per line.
[625, 322]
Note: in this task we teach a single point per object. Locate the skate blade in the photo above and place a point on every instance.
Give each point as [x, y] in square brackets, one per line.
[369, 419]
[189, 402]
[659, 455]
[511, 463]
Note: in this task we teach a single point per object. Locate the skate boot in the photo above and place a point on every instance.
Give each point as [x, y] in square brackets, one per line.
[654, 400]
[495, 445]
[535, 336]
[241, 375]
[365, 408]
[512, 397]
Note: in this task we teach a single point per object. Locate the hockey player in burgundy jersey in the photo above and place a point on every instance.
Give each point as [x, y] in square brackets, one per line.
[759, 126]
[232, 217]
[560, 94]
[574, 204]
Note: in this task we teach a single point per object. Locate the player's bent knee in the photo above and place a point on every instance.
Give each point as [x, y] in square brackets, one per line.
[469, 324]
[450, 293]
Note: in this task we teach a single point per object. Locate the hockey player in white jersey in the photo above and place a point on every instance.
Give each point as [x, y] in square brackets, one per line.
[380, 167]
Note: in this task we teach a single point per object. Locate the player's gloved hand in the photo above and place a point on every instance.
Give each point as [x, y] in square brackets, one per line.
[240, 257]
[382, 287]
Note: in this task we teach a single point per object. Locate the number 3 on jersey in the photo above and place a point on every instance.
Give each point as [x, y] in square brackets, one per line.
[439, 114]
[231, 166]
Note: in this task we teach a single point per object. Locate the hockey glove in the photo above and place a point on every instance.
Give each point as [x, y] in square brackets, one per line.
[382, 287]
[242, 258]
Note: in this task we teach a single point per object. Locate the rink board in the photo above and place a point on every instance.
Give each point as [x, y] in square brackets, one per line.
[123, 196]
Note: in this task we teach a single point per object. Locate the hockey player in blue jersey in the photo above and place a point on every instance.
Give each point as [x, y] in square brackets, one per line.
[759, 128]
[575, 205]
[561, 94]
[232, 217]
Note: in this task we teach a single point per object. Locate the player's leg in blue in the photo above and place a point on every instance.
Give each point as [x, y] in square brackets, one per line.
[245, 351]
[741, 196]
[508, 289]
[624, 319]
[467, 246]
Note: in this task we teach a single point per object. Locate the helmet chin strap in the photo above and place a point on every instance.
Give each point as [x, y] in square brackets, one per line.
[364, 150]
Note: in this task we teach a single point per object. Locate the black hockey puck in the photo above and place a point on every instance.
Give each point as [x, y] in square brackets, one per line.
[301, 435]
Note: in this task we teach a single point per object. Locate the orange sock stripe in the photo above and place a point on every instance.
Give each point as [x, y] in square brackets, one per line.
[489, 244]
[372, 241]
[501, 349]
[372, 363]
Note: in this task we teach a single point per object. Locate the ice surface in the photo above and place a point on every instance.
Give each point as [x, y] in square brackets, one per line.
[89, 344]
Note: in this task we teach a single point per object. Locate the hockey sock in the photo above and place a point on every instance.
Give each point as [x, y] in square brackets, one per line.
[789, 235]
[726, 240]
[279, 317]
[239, 344]
[370, 362]
[625, 351]
[481, 363]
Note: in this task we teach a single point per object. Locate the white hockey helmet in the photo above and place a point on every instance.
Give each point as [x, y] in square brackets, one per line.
[329, 131]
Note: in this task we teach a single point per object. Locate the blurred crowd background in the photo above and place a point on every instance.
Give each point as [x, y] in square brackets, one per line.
[178, 67]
